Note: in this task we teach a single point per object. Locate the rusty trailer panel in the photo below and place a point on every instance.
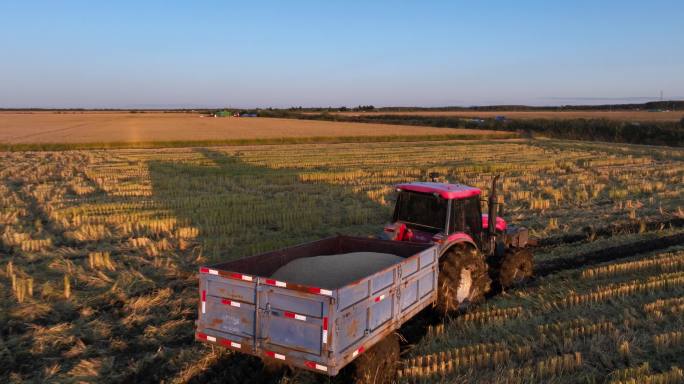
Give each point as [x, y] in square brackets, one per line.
[312, 328]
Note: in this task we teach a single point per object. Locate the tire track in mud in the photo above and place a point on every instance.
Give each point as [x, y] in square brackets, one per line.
[416, 328]
[589, 232]
[606, 254]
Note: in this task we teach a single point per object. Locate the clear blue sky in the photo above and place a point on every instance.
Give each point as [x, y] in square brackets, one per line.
[320, 53]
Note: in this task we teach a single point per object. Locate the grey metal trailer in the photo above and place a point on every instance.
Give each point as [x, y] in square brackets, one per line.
[322, 330]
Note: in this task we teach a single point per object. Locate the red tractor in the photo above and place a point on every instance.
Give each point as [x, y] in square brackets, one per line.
[475, 248]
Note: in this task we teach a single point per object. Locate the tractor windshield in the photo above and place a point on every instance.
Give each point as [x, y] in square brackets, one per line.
[421, 209]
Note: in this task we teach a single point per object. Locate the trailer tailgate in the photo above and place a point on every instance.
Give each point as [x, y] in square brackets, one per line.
[313, 328]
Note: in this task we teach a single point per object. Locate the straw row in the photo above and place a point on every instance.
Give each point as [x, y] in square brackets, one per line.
[663, 262]
[674, 376]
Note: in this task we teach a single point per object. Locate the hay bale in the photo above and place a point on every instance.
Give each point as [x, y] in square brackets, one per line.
[334, 271]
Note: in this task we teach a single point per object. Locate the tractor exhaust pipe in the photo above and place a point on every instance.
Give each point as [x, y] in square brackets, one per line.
[492, 207]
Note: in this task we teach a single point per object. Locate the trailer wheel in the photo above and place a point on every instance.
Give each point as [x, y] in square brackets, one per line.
[379, 364]
[516, 268]
[463, 278]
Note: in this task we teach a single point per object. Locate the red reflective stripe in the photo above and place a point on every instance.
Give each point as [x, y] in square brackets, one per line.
[204, 270]
[362, 349]
[201, 335]
[276, 283]
[230, 302]
[295, 316]
[320, 291]
[325, 323]
[315, 365]
[230, 343]
[204, 295]
[275, 355]
[240, 276]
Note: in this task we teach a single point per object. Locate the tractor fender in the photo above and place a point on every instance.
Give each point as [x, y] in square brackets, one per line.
[500, 223]
[456, 238]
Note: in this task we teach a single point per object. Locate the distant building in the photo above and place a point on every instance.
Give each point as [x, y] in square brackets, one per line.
[223, 113]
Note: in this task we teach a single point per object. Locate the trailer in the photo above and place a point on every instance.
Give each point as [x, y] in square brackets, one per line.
[322, 330]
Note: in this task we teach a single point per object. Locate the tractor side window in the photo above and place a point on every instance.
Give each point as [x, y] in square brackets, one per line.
[457, 220]
[473, 216]
[466, 217]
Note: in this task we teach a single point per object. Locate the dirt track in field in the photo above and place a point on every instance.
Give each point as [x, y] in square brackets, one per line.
[101, 127]
[526, 115]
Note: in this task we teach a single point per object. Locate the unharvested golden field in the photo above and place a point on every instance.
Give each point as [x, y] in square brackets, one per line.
[611, 115]
[123, 127]
[99, 252]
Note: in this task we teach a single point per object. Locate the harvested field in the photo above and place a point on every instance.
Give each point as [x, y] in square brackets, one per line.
[149, 127]
[99, 252]
[618, 322]
[611, 115]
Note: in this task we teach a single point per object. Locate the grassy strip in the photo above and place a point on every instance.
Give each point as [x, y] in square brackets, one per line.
[255, 141]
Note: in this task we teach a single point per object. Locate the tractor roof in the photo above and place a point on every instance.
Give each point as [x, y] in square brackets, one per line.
[447, 191]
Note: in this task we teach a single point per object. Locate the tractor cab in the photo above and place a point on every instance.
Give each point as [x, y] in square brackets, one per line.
[474, 247]
[436, 212]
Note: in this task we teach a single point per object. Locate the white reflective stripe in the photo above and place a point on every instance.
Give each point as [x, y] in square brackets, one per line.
[235, 304]
[204, 307]
[322, 368]
[279, 356]
[355, 353]
[325, 336]
[246, 278]
[299, 317]
[235, 345]
[326, 292]
[211, 338]
[280, 284]
[381, 298]
[213, 272]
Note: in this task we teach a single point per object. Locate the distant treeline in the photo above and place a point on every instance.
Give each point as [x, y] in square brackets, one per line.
[653, 133]
[653, 105]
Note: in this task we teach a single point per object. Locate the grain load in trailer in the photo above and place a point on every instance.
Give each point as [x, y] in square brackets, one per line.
[334, 271]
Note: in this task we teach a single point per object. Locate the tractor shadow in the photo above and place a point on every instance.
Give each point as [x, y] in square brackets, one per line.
[241, 209]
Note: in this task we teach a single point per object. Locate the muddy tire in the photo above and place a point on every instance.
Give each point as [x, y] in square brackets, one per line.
[516, 268]
[463, 279]
[378, 365]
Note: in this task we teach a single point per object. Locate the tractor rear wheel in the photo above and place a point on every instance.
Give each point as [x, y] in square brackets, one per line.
[516, 268]
[379, 363]
[463, 278]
